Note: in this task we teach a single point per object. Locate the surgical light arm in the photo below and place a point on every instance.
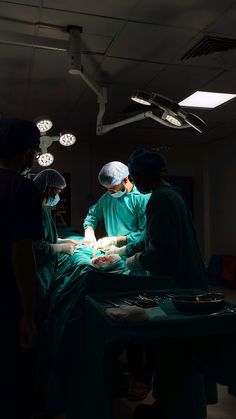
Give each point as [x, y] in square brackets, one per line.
[46, 141]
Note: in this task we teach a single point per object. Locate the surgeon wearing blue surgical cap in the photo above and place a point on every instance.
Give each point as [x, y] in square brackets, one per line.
[170, 246]
[52, 253]
[122, 208]
[50, 184]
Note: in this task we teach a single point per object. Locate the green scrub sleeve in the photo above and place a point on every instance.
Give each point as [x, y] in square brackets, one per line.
[161, 233]
[43, 247]
[135, 247]
[138, 235]
[94, 216]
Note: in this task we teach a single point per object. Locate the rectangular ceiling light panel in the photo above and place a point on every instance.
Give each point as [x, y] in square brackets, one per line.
[201, 99]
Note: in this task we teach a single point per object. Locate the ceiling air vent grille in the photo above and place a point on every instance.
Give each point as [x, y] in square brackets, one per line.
[209, 45]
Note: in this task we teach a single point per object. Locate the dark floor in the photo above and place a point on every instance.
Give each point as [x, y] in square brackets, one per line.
[224, 409]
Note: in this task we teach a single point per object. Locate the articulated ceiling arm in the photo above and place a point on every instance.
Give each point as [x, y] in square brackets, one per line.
[104, 129]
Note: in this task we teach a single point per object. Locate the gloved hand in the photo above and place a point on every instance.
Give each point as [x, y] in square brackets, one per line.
[133, 263]
[103, 243]
[106, 241]
[75, 242]
[68, 248]
[114, 250]
[89, 237]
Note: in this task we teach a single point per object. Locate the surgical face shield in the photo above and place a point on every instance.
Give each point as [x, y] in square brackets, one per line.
[52, 201]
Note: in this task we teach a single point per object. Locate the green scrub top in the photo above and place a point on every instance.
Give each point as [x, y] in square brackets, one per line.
[170, 246]
[124, 216]
[46, 259]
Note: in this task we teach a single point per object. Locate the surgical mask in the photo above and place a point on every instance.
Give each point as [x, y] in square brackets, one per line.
[118, 194]
[51, 202]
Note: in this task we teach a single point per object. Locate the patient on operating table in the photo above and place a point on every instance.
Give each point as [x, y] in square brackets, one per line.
[105, 261]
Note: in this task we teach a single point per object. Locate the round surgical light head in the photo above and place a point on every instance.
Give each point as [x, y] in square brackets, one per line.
[45, 159]
[173, 120]
[67, 139]
[44, 124]
[141, 97]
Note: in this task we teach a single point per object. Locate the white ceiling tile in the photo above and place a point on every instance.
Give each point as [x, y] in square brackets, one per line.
[19, 12]
[150, 42]
[14, 83]
[226, 24]
[224, 83]
[179, 81]
[195, 14]
[120, 9]
[35, 3]
[36, 81]
[53, 90]
[223, 115]
[126, 71]
[93, 25]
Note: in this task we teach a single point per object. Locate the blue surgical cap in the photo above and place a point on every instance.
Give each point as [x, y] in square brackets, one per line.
[17, 136]
[112, 174]
[49, 177]
[146, 161]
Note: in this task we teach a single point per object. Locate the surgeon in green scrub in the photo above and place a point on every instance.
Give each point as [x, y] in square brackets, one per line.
[122, 208]
[169, 246]
[51, 252]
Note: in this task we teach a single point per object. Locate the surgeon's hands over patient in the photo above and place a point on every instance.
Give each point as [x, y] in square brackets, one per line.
[89, 237]
[75, 242]
[114, 250]
[68, 248]
[133, 263]
[104, 243]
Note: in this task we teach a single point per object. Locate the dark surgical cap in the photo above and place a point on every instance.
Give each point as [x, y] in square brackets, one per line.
[146, 161]
[17, 136]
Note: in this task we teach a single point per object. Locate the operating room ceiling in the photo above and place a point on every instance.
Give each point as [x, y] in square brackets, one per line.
[127, 45]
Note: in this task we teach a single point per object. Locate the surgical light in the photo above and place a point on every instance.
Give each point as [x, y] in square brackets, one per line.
[67, 139]
[45, 159]
[44, 124]
[202, 99]
[172, 108]
[141, 97]
[173, 120]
